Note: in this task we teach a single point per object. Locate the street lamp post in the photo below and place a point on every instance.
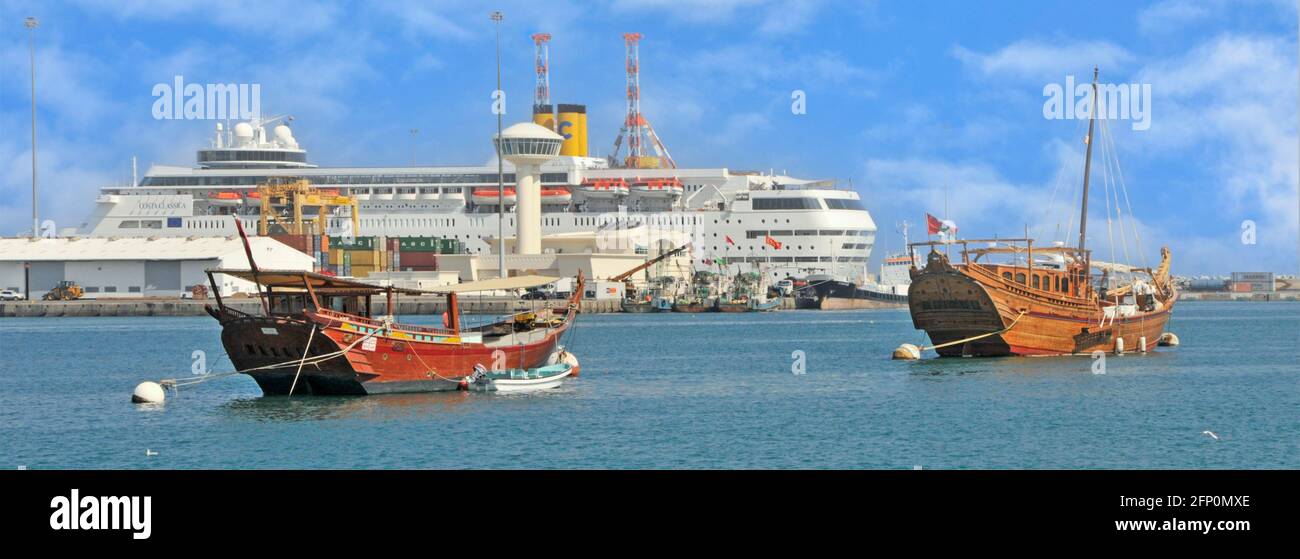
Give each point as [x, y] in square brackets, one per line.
[501, 186]
[414, 131]
[31, 24]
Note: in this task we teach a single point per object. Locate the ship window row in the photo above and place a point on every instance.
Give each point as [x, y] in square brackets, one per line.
[844, 204]
[338, 180]
[760, 233]
[854, 246]
[140, 224]
[765, 259]
[252, 155]
[786, 204]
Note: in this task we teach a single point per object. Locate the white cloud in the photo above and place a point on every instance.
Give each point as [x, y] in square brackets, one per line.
[277, 20]
[1170, 15]
[1044, 60]
[767, 17]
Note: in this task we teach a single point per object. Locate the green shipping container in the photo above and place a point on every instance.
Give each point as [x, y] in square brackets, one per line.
[358, 243]
[418, 244]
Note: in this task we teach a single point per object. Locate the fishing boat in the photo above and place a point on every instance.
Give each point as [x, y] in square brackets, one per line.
[760, 304]
[692, 305]
[318, 334]
[1012, 297]
[518, 380]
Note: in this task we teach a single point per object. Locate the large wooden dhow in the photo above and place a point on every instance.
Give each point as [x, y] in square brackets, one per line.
[1010, 297]
[318, 334]
[975, 308]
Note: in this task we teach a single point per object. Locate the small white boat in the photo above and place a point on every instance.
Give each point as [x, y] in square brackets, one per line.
[518, 380]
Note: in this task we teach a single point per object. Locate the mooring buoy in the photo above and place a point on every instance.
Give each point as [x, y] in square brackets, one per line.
[564, 356]
[907, 352]
[1168, 339]
[148, 392]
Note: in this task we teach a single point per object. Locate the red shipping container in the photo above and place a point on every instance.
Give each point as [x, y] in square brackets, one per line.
[418, 259]
[1241, 287]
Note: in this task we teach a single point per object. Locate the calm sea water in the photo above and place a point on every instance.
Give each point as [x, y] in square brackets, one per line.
[679, 391]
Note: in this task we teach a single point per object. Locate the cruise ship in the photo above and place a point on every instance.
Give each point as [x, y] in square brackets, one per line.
[754, 221]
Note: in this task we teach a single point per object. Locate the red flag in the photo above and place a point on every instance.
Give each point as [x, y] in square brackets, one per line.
[933, 225]
[729, 241]
[772, 242]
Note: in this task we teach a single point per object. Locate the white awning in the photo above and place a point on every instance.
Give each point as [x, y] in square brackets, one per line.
[516, 282]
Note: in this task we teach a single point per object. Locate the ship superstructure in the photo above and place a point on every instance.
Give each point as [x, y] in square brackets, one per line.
[779, 224]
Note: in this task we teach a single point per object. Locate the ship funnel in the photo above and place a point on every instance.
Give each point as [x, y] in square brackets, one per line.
[544, 116]
[572, 124]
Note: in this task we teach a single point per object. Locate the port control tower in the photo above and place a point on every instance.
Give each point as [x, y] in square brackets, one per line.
[527, 146]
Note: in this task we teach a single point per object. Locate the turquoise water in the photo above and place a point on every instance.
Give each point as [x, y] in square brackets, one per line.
[679, 391]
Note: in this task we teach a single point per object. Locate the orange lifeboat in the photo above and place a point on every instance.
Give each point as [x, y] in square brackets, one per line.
[488, 196]
[659, 188]
[605, 188]
[556, 196]
[225, 198]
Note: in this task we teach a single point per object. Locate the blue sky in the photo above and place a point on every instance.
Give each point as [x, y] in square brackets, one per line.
[903, 98]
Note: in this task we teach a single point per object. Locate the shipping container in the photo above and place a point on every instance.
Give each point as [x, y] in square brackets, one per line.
[418, 259]
[355, 243]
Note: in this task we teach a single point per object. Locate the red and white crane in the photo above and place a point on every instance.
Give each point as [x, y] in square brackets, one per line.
[636, 128]
[542, 96]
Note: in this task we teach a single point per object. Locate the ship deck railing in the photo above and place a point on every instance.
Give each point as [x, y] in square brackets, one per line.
[372, 323]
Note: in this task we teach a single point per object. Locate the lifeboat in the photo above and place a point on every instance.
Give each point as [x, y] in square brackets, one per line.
[604, 188]
[225, 199]
[658, 188]
[488, 196]
[556, 196]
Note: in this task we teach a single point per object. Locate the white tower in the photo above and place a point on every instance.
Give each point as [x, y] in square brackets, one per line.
[527, 146]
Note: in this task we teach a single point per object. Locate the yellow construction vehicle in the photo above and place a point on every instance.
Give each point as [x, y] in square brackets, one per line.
[64, 291]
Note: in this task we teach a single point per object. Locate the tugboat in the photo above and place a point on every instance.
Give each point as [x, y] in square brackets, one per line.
[317, 334]
[1040, 300]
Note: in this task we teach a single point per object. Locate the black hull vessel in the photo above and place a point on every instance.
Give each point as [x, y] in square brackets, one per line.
[832, 295]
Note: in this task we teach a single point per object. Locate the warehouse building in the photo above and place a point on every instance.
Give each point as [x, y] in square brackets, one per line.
[137, 267]
[1252, 282]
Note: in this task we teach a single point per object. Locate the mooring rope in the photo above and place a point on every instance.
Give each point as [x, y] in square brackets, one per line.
[177, 383]
[973, 338]
[305, 351]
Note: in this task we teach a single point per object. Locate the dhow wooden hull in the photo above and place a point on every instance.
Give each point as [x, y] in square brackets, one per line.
[950, 305]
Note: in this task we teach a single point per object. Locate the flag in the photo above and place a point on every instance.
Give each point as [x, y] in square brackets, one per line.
[772, 242]
[945, 228]
[729, 241]
[933, 225]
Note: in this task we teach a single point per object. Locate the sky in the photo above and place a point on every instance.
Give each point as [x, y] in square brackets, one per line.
[928, 106]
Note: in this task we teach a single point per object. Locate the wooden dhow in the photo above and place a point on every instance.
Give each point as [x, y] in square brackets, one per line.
[1010, 297]
[318, 334]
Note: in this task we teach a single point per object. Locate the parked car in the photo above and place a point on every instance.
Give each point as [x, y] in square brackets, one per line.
[534, 295]
[10, 295]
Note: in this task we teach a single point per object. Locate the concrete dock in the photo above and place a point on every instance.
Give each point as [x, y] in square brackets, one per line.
[190, 307]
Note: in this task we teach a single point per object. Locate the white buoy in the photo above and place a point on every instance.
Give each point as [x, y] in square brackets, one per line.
[148, 393]
[1142, 344]
[907, 352]
[1119, 346]
[1168, 339]
[563, 356]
